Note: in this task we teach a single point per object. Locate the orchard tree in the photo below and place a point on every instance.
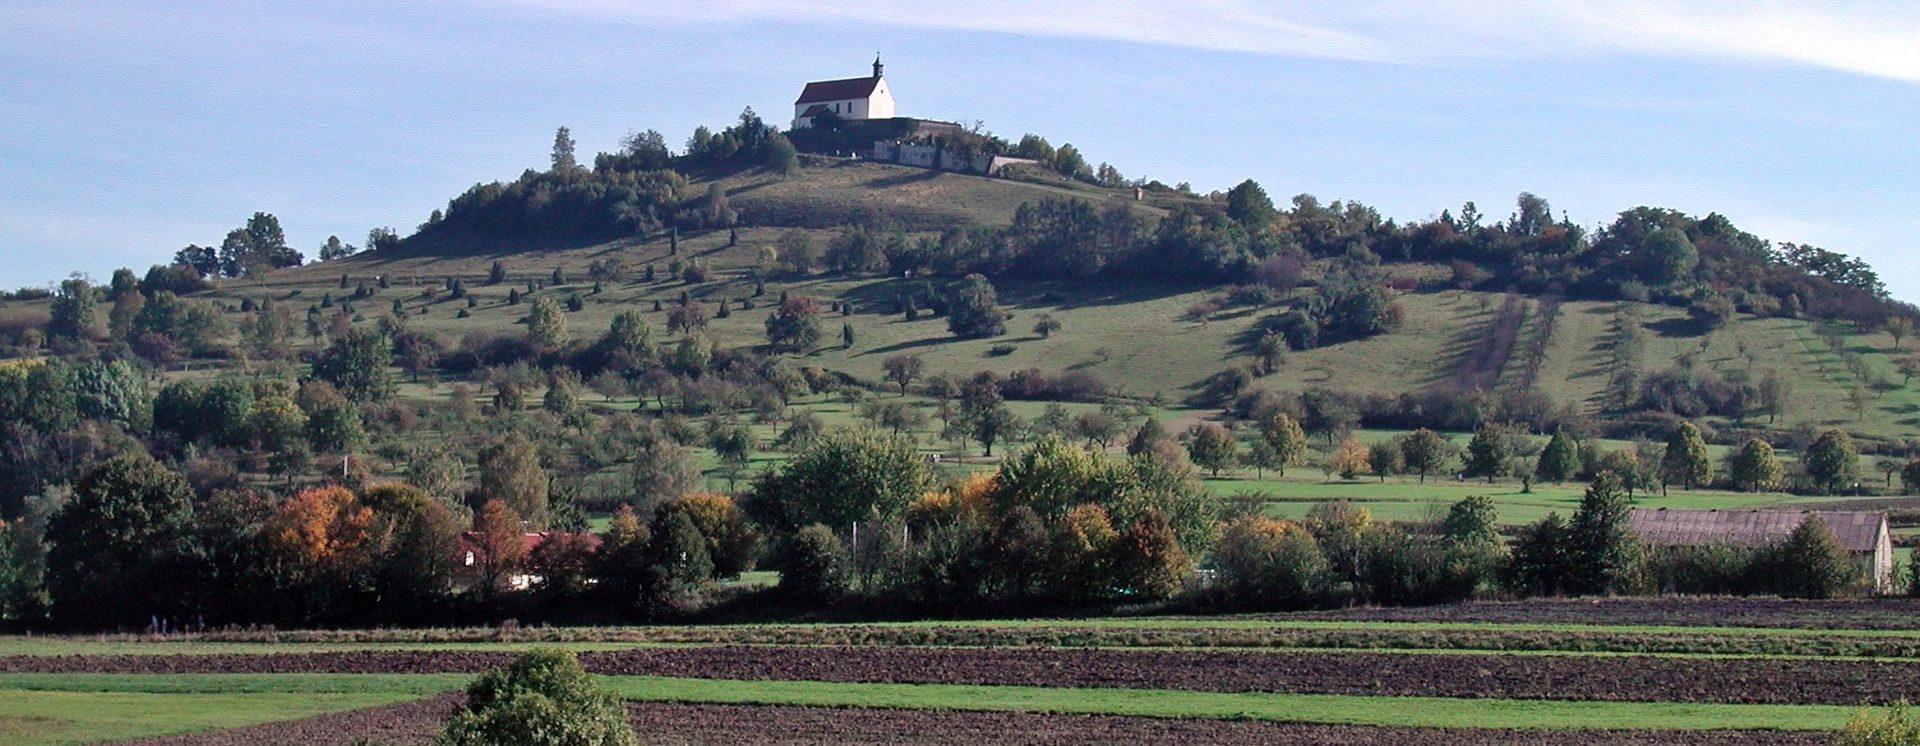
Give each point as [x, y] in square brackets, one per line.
[510, 472]
[1832, 463]
[974, 310]
[1288, 442]
[901, 369]
[1490, 453]
[357, 365]
[1351, 458]
[795, 325]
[1899, 327]
[1423, 451]
[1212, 446]
[843, 476]
[1046, 326]
[546, 323]
[1755, 468]
[1686, 459]
[1910, 477]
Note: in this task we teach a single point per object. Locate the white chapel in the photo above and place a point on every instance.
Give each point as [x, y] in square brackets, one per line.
[850, 99]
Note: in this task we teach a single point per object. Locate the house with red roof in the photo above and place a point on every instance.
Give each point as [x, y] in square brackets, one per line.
[850, 99]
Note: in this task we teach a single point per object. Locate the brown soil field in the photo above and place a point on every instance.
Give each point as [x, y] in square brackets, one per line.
[1556, 677]
[757, 725]
[1845, 613]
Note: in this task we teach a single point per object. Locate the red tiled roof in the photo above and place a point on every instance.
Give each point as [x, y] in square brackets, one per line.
[838, 90]
[1858, 530]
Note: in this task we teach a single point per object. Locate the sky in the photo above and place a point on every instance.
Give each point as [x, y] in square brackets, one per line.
[129, 129]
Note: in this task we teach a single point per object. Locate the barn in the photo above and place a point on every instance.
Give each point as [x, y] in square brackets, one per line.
[1863, 533]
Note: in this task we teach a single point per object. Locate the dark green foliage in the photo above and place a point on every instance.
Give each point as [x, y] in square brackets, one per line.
[816, 566]
[1686, 458]
[1754, 467]
[1559, 460]
[974, 311]
[678, 555]
[357, 365]
[73, 310]
[1541, 565]
[542, 698]
[1490, 453]
[842, 477]
[1813, 564]
[795, 325]
[1832, 464]
[122, 545]
[1249, 204]
[1602, 551]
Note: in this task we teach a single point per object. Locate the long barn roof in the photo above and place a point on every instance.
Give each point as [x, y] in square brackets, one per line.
[1858, 530]
[838, 90]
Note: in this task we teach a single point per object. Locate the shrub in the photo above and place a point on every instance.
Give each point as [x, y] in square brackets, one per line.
[1895, 726]
[542, 698]
[1263, 563]
[816, 566]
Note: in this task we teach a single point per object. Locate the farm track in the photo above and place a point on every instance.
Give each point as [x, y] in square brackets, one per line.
[415, 723]
[1475, 676]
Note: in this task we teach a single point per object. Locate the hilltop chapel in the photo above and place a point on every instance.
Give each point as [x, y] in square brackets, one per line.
[847, 100]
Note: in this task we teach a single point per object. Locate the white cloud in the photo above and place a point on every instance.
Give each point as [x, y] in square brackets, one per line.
[1873, 38]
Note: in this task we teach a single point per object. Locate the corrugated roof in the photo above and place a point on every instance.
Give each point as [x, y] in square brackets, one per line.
[1858, 530]
[838, 90]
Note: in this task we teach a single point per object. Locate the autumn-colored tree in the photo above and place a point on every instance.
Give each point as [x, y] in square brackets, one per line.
[1148, 557]
[510, 470]
[500, 541]
[1286, 439]
[732, 541]
[1352, 458]
[320, 532]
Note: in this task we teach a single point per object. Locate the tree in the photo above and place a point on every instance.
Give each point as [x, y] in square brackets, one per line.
[1899, 327]
[500, 540]
[546, 323]
[1559, 460]
[846, 335]
[1267, 564]
[795, 325]
[677, 555]
[383, 240]
[1910, 477]
[1832, 463]
[1424, 451]
[1753, 467]
[1351, 458]
[781, 157]
[1490, 453]
[901, 369]
[1046, 326]
[1602, 548]
[120, 545]
[510, 471]
[1812, 562]
[72, 311]
[842, 477]
[542, 698]
[1148, 558]
[816, 567]
[1686, 458]
[335, 248]
[356, 363]
[1288, 441]
[1540, 563]
[974, 310]
[1212, 446]
[983, 412]
[563, 159]
[1248, 203]
[257, 247]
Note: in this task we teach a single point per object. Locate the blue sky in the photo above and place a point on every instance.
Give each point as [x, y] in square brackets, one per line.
[128, 130]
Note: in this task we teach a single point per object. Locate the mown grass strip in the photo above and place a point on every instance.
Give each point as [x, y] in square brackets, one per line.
[59, 717]
[1419, 712]
[397, 686]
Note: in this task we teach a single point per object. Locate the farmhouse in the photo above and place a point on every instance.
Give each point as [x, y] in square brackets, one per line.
[1863, 533]
[848, 100]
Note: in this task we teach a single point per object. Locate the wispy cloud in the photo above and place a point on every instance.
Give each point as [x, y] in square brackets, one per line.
[1874, 38]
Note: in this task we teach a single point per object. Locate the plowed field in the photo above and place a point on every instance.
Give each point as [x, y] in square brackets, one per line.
[1574, 678]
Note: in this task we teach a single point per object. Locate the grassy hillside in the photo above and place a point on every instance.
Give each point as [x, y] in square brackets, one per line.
[1134, 336]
